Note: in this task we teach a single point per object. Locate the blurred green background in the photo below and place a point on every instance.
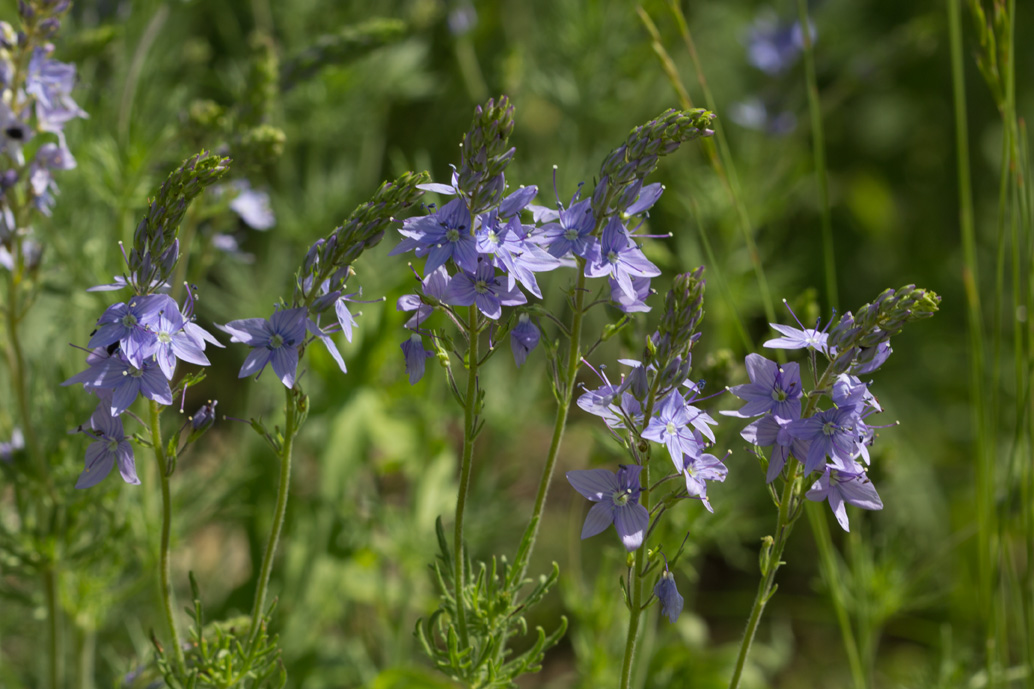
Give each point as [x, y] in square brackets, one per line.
[377, 461]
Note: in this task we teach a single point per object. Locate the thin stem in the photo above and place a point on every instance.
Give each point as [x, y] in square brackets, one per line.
[470, 405]
[290, 431]
[784, 525]
[637, 590]
[167, 595]
[632, 638]
[574, 361]
[819, 151]
[723, 164]
[984, 438]
[56, 667]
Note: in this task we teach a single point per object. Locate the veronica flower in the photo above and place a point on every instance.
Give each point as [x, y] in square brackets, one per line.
[617, 502]
[274, 341]
[124, 380]
[794, 338]
[831, 433]
[772, 388]
[484, 288]
[128, 324]
[50, 82]
[568, 230]
[174, 342]
[671, 428]
[668, 594]
[416, 357]
[841, 487]
[440, 236]
[620, 258]
[110, 447]
[523, 338]
[252, 206]
[699, 469]
[631, 304]
[774, 431]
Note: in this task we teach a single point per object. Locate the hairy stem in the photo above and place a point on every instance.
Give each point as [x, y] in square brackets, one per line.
[470, 404]
[168, 601]
[290, 431]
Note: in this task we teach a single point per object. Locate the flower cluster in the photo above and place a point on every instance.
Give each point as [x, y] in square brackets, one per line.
[655, 401]
[480, 251]
[320, 289]
[137, 343]
[35, 105]
[831, 442]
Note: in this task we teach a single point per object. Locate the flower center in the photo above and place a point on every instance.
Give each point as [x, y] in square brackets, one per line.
[164, 337]
[480, 286]
[570, 234]
[620, 497]
[671, 429]
[276, 342]
[452, 234]
[129, 320]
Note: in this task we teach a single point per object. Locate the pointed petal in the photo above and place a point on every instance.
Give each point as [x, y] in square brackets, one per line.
[600, 516]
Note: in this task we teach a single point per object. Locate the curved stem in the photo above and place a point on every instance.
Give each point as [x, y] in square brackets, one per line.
[290, 431]
[168, 601]
[574, 361]
[470, 404]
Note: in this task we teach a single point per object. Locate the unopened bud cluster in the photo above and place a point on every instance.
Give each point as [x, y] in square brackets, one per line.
[486, 152]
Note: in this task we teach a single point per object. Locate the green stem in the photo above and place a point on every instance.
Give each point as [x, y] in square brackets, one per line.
[984, 438]
[819, 149]
[470, 404]
[574, 361]
[637, 588]
[56, 667]
[290, 431]
[167, 595]
[820, 531]
[632, 638]
[784, 525]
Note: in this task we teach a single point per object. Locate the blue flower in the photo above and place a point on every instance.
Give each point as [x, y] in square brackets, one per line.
[416, 357]
[124, 380]
[617, 502]
[671, 428]
[840, 487]
[50, 82]
[440, 236]
[699, 469]
[274, 341]
[831, 433]
[668, 594]
[772, 388]
[483, 288]
[620, 258]
[252, 206]
[111, 447]
[523, 338]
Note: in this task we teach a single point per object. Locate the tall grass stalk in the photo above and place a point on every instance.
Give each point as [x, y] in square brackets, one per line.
[983, 436]
[819, 151]
[720, 156]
